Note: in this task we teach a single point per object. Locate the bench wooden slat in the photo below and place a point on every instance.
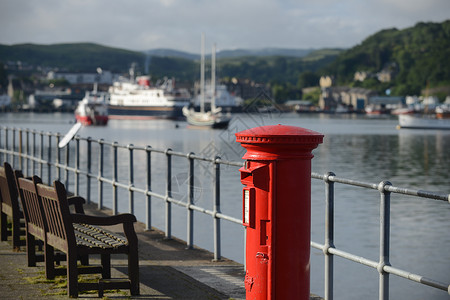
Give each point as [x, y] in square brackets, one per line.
[103, 235]
[93, 241]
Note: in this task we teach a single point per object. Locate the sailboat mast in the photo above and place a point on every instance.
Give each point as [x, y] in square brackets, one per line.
[202, 75]
[213, 78]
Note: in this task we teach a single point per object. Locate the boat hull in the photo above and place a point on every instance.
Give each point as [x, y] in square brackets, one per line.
[144, 112]
[422, 122]
[215, 124]
[87, 121]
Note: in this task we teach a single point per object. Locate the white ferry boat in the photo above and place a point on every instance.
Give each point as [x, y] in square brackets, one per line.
[140, 100]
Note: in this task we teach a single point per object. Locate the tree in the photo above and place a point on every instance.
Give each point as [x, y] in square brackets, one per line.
[307, 79]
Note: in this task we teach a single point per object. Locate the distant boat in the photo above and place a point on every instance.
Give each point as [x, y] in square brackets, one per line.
[213, 118]
[140, 100]
[93, 109]
[377, 110]
[222, 98]
[423, 121]
[403, 111]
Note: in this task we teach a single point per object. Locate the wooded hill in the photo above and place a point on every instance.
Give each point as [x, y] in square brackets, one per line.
[263, 65]
[418, 56]
[79, 57]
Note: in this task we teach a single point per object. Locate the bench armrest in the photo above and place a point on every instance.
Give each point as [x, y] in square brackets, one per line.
[109, 220]
[78, 202]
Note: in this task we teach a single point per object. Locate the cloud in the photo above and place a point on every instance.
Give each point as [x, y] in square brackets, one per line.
[177, 24]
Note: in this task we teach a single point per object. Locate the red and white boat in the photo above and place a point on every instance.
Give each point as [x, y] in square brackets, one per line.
[93, 109]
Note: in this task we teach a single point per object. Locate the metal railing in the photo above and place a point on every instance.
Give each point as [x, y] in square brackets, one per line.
[39, 156]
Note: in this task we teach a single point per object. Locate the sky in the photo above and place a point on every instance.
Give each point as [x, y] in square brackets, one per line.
[231, 24]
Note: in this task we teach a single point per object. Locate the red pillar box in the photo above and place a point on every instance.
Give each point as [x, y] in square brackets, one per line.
[277, 210]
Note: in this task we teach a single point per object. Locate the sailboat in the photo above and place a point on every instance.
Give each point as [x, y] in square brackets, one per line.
[213, 118]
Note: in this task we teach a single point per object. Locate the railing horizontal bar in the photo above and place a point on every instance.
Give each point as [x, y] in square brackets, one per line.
[388, 188]
[349, 256]
[417, 278]
[228, 218]
[317, 246]
[388, 269]
[419, 193]
[354, 182]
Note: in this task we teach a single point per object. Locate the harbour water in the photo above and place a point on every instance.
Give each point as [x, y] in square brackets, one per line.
[355, 147]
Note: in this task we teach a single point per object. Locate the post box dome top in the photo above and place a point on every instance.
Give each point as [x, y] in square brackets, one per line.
[279, 134]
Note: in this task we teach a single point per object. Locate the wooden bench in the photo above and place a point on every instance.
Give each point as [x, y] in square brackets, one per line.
[35, 224]
[9, 206]
[79, 234]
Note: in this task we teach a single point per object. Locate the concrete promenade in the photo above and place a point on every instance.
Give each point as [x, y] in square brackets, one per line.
[167, 271]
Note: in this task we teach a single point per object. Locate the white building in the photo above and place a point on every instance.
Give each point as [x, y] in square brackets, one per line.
[106, 77]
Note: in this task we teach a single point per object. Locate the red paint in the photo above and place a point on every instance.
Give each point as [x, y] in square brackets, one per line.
[87, 120]
[277, 176]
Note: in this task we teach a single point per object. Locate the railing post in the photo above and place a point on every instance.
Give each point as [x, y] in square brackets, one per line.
[34, 153]
[168, 195]
[41, 171]
[20, 150]
[66, 170]
[27, 165]
[77, 167]
[131, 180]
[49, 159]
[216, 209]
[114, 204]
[329, 235]
[6, 144]
[100, 175]
[58, 158]
[190, 200]
[148, 215]
[385, 211]
[88, 176]
[13, 148]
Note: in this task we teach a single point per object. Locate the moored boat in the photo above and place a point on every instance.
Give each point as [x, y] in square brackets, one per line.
[422, 121]
[222, 98]
[213, 118]
[93, 109]
[140, 100]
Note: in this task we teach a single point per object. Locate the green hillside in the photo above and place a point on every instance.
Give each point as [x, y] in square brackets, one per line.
[276, 68]
[419, 57]
[80, 57]
[86, 57]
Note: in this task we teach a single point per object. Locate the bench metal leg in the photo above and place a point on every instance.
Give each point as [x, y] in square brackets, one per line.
[84, 259]
[3, 226]
[15, 228]
[31, 250]
[72, 275]
[133, 272]
[49, 258]
[106, 265]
